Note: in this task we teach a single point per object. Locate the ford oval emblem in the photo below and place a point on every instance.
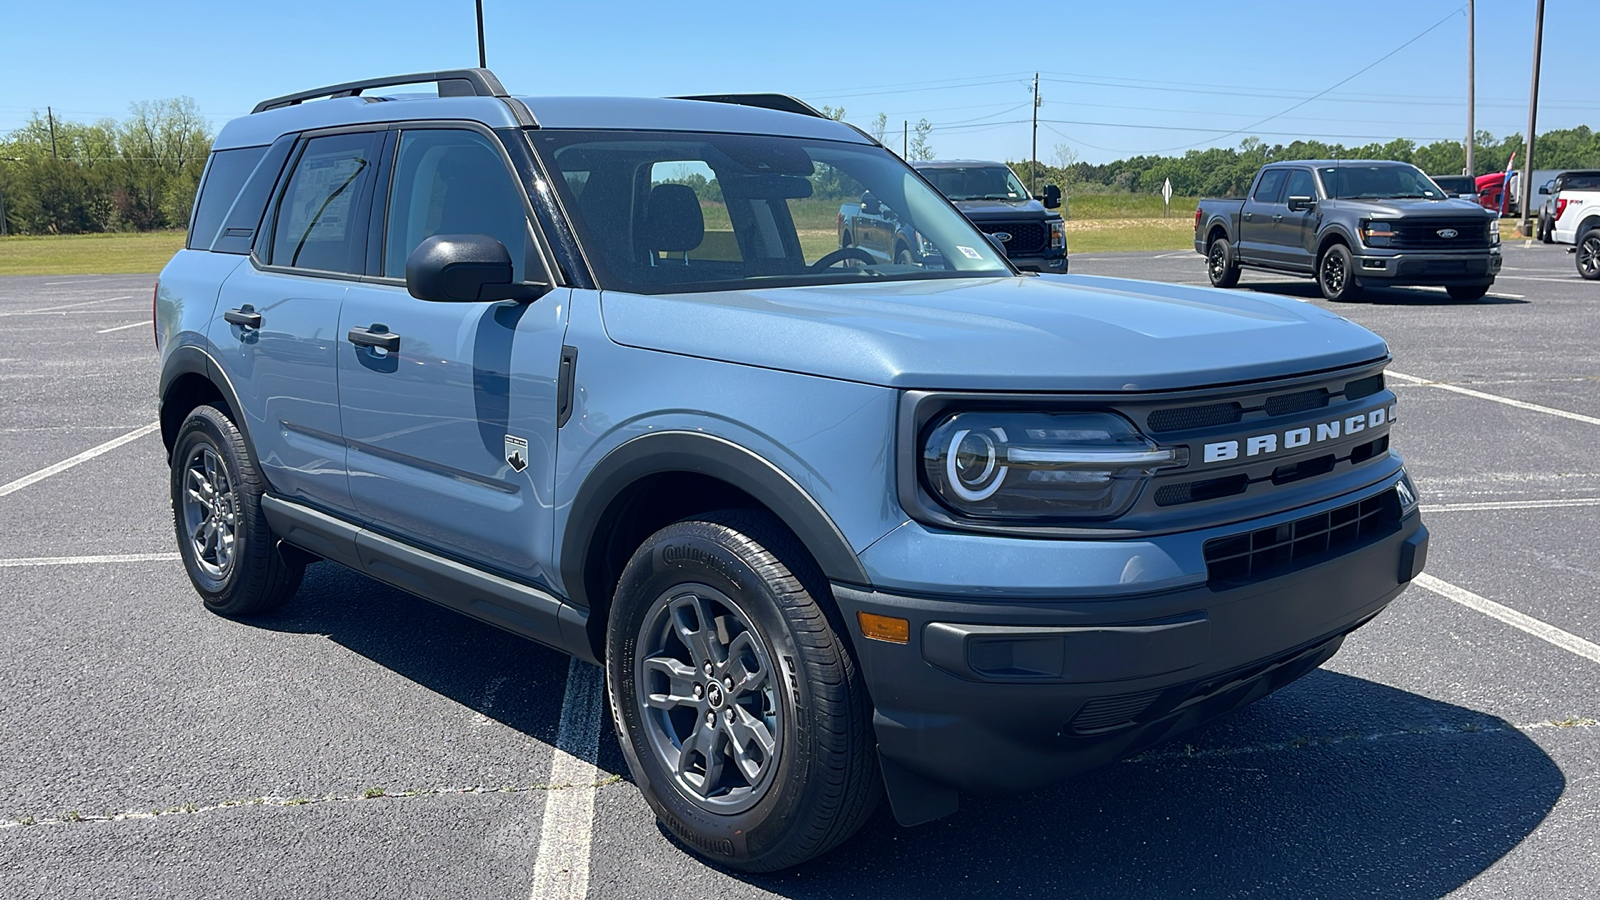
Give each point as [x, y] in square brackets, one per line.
[1003, 237]
[1446, 233]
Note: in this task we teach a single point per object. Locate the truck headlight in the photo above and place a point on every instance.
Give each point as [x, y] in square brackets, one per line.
[1494, 232]
[1041, 467]
[1376, 234]
[1058, 234]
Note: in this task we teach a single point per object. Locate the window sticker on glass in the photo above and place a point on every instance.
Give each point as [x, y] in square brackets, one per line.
[320, 206]
[969, 253]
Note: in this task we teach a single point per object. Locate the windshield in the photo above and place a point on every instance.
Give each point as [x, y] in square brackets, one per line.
[1383, 182]
[976, 182]
[669, 212]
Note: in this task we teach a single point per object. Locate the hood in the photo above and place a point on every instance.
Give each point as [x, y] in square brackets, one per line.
[1034, 333]
[1452, 208]
[1001, 209]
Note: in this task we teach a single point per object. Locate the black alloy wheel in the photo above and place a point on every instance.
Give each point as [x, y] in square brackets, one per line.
[1589, 255]
[1220, 267]
[1336, 274]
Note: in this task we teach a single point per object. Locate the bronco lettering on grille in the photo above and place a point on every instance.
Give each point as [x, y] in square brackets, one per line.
[1267, 444]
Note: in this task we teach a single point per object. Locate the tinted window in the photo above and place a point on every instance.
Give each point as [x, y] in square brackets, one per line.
[1270, 186]
[452, 182]
[1301, 184]
[224, 177]
[319, 221]
[1580, 182]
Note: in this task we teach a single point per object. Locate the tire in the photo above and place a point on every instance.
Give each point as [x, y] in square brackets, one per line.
[1589, 254]
[228, 549]
[736, 588]
[902, 256]
[1221, 267]
[1467, 291]
[1547, 231]
[1336, 274]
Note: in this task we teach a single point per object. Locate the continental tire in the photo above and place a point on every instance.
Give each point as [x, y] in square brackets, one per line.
[228, 549]
[736, 701]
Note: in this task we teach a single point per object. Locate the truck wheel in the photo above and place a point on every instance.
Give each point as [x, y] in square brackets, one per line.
[736, 701]
[1336, 274]
[902, 256]
[1221, 267]
[228, 549]
[1589, 254]
[1467, 291]
[1547, 231]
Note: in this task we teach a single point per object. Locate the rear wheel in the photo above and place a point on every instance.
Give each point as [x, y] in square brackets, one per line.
[1221, 268]
[228, 549]
[736, 701]
[1467, 291]
[903, 257]
[1589, 254]
[1336, 274]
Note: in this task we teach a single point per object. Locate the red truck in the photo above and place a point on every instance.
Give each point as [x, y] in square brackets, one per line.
[1491, 186]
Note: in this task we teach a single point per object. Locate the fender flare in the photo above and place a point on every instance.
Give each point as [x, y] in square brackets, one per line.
[1327, 237]
[193, 360]
[703, 454]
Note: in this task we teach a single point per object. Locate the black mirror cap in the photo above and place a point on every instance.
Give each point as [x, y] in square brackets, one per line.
[1301, 204]
[1052, 197]
[464, 268]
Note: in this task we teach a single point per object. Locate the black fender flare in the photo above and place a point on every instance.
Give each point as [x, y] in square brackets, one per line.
[193, 360]
[1327, 238]
[694, 452]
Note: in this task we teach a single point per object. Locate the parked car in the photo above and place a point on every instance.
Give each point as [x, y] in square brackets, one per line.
[834, 531]
[1460, 186]
[1350, 225]
[1574, 206]
[883, 235]
[993, 197]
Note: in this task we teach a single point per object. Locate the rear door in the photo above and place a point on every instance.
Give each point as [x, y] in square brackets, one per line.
[1256, 225]
[451, 434]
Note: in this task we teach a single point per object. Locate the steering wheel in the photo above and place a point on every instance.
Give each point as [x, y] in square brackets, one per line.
[840, 255]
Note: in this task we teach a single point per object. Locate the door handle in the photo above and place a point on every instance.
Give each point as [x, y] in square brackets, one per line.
[1247, 216]
[1277, 218]
[244, 317]
[377, 336]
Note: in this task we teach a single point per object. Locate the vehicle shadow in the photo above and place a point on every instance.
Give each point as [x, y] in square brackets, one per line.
[1333, 787]
[1307, 290]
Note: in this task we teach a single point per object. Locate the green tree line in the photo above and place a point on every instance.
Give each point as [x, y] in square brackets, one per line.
[136, 174]
[1222, 172]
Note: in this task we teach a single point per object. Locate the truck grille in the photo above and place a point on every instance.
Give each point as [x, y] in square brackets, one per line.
[1268, 552]
[1027, 238]
[1423, 234]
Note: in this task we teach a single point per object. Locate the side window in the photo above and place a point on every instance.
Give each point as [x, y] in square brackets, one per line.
[225, 176]
[449, 181]
[1301, 184]
[319, 221]
[1270, 188]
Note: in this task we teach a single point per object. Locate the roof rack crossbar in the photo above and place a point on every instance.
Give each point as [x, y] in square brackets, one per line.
[451, 82]
[779, 102]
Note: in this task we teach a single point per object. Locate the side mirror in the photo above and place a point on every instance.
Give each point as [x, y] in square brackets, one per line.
[1544, 188]
[870, 205]
[464, 268]
[1301, 204]
[998, 244]
[1052, 197]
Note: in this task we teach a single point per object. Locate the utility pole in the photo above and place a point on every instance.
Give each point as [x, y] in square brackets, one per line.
[905, 139]
[1472, 137]
[1033, 173]
[1533, 110]
[483, 60]
[51, 116]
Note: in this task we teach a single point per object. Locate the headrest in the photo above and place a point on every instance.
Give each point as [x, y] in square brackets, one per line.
[673, 222]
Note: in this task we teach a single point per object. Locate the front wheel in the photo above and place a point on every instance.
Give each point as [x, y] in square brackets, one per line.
[1221, 267]
[1467, 291]
[1589, 255]
[736, 701]
[1336, 274]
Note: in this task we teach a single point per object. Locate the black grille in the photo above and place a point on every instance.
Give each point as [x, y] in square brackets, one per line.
[1183, 418]
[1364, 387]
[1424, 234]
[1106, 713]
[1194, 491]
[1273, 551]
[1421, 267]
[1300, 401]
[1027, 238]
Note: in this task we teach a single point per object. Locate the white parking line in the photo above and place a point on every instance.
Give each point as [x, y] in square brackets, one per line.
[1576, 417]
[1544, 631]
[81, 281]
[1510, 504]
[122, 327]
[14, 486]
[36, 561]
[49, 309]
[561, 869]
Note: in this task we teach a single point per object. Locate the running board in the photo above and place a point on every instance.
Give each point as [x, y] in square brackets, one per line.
[518, 608]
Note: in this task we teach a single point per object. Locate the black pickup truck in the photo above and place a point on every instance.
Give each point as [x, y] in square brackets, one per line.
[1349, 225]
[991, 196]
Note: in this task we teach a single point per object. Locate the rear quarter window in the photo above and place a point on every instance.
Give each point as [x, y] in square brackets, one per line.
[225, 176]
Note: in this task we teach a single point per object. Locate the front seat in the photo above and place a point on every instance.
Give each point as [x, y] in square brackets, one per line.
[673, 222]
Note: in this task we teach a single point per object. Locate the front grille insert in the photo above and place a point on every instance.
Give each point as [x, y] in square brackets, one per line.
[1300, 401]
[1268, 552]
[1195, 491]
[1027, 238]
[1305, 468]
[1183, 418]
[1363, 452]
[1364, 387]
[1464, 234]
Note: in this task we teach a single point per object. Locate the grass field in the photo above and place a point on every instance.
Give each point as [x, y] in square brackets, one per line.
[88, 254]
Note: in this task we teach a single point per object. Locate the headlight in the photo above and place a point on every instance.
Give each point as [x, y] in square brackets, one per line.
[1021, 466]
[1058, 234]
[1494, 232]
[1376, 234]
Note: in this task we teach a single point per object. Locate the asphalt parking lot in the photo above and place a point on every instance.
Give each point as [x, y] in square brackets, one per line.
[364, 743]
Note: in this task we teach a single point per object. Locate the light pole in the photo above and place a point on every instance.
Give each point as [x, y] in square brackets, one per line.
[1472, 138]
[1533, 111]
[483, 60]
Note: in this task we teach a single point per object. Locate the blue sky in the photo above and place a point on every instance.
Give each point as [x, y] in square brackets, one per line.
[1118, 78]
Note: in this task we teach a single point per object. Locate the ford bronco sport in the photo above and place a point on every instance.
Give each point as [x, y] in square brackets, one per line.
[835, 525]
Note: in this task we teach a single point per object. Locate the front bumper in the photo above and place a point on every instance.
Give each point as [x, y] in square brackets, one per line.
[1047, 265]
[1009, 695]
[1403, 267]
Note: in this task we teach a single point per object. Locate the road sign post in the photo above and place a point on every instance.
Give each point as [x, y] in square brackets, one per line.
[1166, 197]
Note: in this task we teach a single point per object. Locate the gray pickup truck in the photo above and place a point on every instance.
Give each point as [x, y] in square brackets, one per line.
[1351, 225]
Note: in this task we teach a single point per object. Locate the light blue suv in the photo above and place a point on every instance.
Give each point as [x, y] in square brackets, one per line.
[596, 371]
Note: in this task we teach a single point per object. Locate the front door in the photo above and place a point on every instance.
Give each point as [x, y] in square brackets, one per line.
[1295, 234]
[451, 430]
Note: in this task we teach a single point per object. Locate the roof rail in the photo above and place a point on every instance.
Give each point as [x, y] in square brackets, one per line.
[779, 102]
[451, 82]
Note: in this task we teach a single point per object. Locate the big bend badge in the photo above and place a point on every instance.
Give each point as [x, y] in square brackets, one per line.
[516, 452]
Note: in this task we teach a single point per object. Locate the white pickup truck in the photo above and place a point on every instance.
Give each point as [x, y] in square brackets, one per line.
[1575, 218]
